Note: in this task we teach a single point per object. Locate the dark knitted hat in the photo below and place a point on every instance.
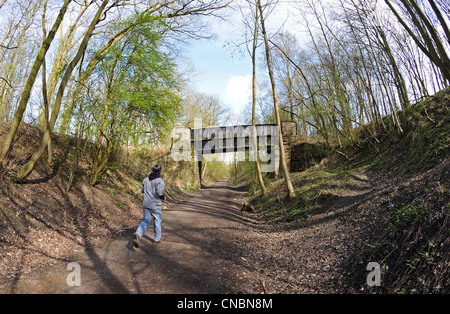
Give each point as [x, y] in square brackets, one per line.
[157, 168]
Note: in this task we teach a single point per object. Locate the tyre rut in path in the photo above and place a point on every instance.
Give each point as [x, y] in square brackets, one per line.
[198, 254]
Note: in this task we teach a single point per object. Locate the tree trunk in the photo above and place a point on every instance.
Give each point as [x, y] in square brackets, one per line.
[45, 92]
[83, 78]
[434, 40]
[441, 61]
[100, 162]
[255, 144]
[30, 82]
[441, 19]
[398, 78]
[285, 170]
[26, 170]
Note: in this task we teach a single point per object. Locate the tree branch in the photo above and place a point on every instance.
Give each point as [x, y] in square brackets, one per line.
[2, 78]
[6, 47]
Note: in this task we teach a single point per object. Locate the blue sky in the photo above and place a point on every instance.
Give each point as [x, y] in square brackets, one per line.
[222, 72]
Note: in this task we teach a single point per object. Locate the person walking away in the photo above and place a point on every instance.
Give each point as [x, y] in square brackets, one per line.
[153, 190]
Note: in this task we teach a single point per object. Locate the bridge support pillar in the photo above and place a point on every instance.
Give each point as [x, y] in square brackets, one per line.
[200, 173]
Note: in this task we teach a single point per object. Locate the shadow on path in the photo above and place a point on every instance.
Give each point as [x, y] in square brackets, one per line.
[198, 253]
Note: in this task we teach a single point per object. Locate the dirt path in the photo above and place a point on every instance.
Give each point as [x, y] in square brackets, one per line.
[210, 246]
[198, 254]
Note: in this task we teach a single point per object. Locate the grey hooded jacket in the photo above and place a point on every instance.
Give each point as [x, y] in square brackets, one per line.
[153, 189]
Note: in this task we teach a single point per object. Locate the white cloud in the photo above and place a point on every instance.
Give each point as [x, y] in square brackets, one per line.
[239, 88]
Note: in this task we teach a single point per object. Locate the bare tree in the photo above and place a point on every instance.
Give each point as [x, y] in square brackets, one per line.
[16, 52]
[255, 144]
[424, 33]
[30, 81]
[287, 177]
[26, 170]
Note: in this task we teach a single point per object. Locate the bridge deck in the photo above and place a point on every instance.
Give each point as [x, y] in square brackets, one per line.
[213, 140]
